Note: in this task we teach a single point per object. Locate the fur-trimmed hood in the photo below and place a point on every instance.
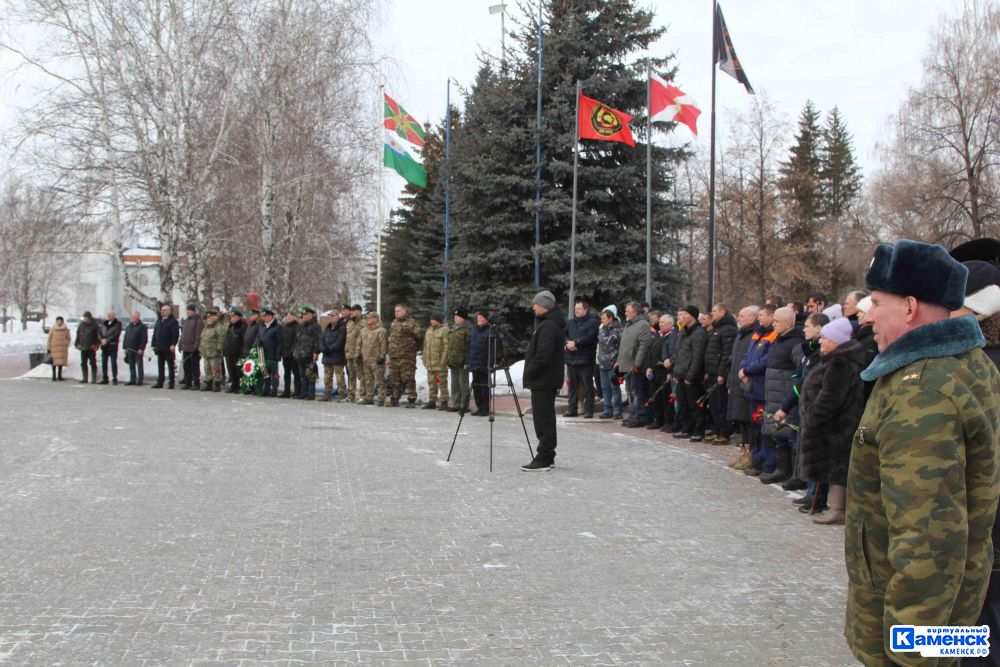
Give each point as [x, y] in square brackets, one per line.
[945, 338]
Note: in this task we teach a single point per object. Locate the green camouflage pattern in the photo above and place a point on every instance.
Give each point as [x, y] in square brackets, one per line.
[404, 339]
[352, 348]
[922, 494]
[374, 342]
[374, 380]
[213, 340]
[458, 344]
[436, 349]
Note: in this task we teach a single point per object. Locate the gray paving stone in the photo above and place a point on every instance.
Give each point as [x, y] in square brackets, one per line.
[175, 528]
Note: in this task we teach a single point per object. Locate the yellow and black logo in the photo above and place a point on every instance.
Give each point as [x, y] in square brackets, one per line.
[605, 121]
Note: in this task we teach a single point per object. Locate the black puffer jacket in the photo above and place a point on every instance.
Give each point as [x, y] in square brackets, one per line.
[288, 333]
[234, 338]
[865, 336]
[478, 357]
[166, 333]
[831, 406]
[544, 359]
[88, 335]
[333, 342]
[689, 361]
[250, 336]
[583, 332]
[719, 351]
[783, 362]
[111, 331]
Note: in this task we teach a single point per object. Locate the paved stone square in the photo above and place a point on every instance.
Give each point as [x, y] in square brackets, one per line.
[142, 527]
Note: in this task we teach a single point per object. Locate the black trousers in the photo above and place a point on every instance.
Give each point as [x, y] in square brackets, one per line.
[481, 389]
[135, 369]
[192, 367]
[165, 359]
[88, 358]
[661, 410]
[543, 414]
[581, 376]
[719, 405]
[235, 372]
[293, 379]
[690, 393]
[109, 353]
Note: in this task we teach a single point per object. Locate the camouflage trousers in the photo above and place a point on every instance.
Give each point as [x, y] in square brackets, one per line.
[213, 369]
[374, 381]
[437, 385]
[356, 381]
[329, 370]
[402, 376]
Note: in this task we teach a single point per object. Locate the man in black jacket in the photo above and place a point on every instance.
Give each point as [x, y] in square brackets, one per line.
[269, 339]
[689, 370]
[332, 345]
[581, 350]
[88, 338]
[658, 373]
[165, 336]
[136, 338]
[307, 342]
[718, 358]
[293, 380]
[234, 349]
[110, 331]
[543, 375]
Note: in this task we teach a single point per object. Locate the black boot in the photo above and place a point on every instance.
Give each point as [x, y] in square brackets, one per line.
[794, 483]
[784, 469]
[217, 387]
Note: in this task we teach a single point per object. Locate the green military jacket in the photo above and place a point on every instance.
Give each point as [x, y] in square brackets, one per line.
[352, 349]
[436, 348]
[458, 344]
[374, 342]
[213, 340]
[922, 489]
[404, 339]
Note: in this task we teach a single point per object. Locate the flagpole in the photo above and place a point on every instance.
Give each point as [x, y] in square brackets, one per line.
[711, 177]
[379, 225]
[538, 158]
[447, 183]
[649, 184]
[572, 242]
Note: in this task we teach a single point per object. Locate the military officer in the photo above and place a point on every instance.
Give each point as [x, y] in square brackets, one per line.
[374, 347]
[404, 341]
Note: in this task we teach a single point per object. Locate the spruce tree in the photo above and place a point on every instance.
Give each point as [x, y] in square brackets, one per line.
[841, 184]
[801, 187]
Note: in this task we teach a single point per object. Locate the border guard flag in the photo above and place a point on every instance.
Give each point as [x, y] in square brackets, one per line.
[667, 103]
[404, 142]
[598, 121]
[725, 54]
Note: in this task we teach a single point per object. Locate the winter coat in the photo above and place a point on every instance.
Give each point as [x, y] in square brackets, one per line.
[307, 341]
[609, 340]
[810, 358]
[352, 347]
[923, 485]
[866, 337]
[718, 352]
[136, 337]
[111, 331]
[782, 363]
[87, 336]
[689, 360]
[269, 338]
[583, 332]
[289, 330]
[458, 344]
[738, 409]
[478, 357]
[58, 345]
[333, 343]
[191, 333]
[250, 337]
[436, 348]
[544, 359]
[635, 344]
[234, 338]
[831, 404]
[374, 343]
[754, 364]
[212, 342]
[166, 332]
[405, 339]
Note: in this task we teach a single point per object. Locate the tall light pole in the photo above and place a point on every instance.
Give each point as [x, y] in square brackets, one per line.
[501, 9]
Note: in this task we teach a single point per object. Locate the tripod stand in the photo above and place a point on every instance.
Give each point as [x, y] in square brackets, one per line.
[496, 359]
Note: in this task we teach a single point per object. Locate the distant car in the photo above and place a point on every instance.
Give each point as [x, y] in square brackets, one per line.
[72, 320]
[150, 322]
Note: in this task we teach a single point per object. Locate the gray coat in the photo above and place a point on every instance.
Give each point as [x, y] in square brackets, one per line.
[636, 341]
[785, 356]
[738, 409]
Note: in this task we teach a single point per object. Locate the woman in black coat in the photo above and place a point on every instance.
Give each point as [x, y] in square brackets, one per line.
[831, 406]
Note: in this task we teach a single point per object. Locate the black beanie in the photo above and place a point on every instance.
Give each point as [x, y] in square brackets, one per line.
[691, 310]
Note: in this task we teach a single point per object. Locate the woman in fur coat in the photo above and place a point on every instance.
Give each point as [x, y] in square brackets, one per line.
[58, 347]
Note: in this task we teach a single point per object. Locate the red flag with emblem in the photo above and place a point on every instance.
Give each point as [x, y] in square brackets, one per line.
[601, 122]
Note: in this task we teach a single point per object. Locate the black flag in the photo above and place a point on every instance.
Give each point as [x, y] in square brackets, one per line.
[725, 55]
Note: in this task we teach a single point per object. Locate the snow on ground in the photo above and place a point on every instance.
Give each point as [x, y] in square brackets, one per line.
[22, 342]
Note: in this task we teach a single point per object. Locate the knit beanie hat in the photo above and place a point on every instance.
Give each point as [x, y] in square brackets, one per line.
[691, 310]
[839, 331]
[834, 312]
[983, 289]
[865, 304]
[545, 299]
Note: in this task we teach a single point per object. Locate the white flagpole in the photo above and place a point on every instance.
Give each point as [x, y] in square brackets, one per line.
[572, 243]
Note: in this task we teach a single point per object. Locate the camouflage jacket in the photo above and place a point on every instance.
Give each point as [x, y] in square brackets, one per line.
[307, 340]
[458, 344]
[922, 489]
[374, 342]
[354, 328]
[436, 348]
[213, 340]
[404, 339]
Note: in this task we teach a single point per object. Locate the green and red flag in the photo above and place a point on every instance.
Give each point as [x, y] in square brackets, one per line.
[404, 142]
[599, 121]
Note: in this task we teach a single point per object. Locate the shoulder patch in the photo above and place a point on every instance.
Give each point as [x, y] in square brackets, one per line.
[911, 376]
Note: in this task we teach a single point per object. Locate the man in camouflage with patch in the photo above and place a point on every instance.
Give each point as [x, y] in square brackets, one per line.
[374, 346]
[436, 363]
[356, 387]
[211, 346]
[405, 337]
[924, 477]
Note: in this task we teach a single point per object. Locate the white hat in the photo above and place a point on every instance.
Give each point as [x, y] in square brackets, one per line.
[834, 312]
[985, 302]
[865, 304]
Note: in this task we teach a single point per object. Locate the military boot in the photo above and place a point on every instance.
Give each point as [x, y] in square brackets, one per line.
[430, 405]
[217, 387]
[207, 386]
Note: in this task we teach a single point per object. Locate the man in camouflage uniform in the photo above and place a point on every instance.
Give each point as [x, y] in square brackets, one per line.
[924, 476]
[458, 352]
[404, 341]
[211, 347]
[436, 363]
[307, 352]
[356, 387]
[374, 347]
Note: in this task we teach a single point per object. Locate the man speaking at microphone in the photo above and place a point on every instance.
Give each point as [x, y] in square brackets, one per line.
[543, 375]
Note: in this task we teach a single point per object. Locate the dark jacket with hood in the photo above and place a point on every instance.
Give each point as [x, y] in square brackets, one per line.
[865, 336]
[831, 405]
[583, 332]
[718, 352]
[738, 409]
[689, 361]
[333, 343]
[609, 339]
[544, 359]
